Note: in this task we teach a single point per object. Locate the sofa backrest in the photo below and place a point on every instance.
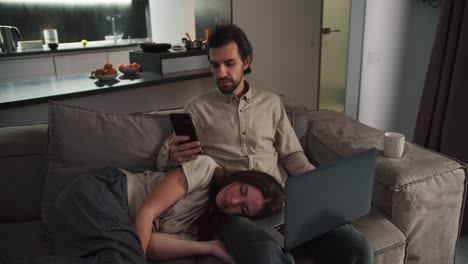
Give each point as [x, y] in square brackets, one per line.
[23, 151]
[298, 116]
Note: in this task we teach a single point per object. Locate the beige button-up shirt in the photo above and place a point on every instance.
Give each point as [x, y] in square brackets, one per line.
[246, 133]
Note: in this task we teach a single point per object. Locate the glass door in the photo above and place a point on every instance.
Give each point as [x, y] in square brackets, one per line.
[334, 54]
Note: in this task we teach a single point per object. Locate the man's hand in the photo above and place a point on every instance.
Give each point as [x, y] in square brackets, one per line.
[181, 152]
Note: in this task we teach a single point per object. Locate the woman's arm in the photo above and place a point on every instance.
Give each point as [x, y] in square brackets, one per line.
[163, 196]
[164, 246]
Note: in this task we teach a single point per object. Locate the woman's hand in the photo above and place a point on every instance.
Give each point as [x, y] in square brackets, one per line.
[180, 152]
[217, 249]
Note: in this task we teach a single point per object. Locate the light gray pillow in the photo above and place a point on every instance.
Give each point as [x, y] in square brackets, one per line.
[83, 140]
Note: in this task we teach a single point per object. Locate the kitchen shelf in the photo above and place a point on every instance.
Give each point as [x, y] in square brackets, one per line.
[69, 48]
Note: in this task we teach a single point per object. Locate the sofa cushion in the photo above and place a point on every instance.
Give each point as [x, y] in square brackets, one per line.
[333, 135]
[298, 116]
[22, 240]
[388, 241]
[20, 185]
[82, 140]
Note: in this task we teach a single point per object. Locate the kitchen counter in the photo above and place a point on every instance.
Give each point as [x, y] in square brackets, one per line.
[74, 47]
[29, 92]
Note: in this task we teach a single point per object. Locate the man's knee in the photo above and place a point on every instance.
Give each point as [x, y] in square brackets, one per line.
[249, 244]
[343, 245]
[357, 248]
[265, 251]
[362, 252]
[240, 230]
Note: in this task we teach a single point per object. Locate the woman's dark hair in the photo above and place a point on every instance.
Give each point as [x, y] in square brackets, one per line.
[227, 33]
[208, 223]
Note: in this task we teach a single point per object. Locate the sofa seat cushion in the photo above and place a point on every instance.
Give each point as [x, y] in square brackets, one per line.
[26, 239]
[22, 240]
[388, 241]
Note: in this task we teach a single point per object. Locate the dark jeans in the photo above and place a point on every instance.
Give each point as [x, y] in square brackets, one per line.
[249, 244]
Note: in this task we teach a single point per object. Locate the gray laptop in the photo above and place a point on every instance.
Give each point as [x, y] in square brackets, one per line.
[323, 199]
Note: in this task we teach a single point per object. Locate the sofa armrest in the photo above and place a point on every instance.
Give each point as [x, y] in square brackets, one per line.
[422, 192]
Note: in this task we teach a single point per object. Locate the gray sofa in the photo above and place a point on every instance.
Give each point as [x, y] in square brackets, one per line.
[416, 207]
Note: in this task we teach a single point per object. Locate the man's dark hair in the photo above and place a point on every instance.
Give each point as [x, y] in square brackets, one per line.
[227, 33]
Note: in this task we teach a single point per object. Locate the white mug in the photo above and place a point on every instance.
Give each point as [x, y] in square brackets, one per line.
[51, 36]
[393, 145]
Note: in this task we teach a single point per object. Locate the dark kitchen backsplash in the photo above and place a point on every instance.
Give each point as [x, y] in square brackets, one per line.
[76, 22]
[92, 21]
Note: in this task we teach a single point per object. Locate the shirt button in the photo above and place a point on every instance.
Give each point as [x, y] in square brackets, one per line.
[240, 110]
[246, 156]
[243, 133]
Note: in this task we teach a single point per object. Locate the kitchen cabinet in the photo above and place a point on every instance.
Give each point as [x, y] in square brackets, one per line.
[32, 68]
[118, 57]
[87, 62]
[49, 64]
[79, 63]
[171, 62]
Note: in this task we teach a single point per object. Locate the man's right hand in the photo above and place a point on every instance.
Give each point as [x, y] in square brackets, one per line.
[181, 152]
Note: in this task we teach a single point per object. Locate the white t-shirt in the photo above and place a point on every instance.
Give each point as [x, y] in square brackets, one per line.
[179, 218]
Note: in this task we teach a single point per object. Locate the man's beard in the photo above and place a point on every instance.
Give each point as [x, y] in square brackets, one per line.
[227, 89]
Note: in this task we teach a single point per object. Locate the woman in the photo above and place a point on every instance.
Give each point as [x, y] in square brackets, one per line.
[119, 216]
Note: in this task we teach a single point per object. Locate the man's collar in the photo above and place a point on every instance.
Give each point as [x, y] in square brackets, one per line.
[229, 97]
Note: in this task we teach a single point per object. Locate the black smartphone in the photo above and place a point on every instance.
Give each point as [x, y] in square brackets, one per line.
[183, 125]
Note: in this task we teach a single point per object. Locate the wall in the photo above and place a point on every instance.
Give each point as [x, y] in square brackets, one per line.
[353, 74]
[398, 40]
[285, 36]
[171, 19]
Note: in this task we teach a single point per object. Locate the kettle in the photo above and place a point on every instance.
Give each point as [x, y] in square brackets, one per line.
[9, 37]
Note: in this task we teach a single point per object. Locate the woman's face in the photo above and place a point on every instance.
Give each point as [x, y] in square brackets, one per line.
[240, 198]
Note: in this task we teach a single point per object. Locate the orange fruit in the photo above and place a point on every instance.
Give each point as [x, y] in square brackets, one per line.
[108, 66]
[100, 71]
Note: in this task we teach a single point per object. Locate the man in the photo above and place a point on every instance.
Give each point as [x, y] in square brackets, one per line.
[244, 128]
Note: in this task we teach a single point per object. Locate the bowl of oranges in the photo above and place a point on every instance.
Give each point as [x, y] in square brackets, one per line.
[129, 69]
[106, 73]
